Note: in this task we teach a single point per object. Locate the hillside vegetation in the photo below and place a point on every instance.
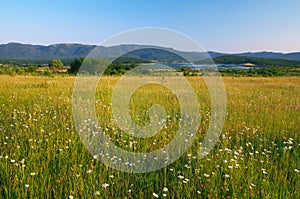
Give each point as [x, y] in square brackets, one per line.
[267, 62]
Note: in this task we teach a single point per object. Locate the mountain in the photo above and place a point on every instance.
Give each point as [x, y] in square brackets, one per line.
[39, 52]
[266, 62]
[273, 55]
[17, 51]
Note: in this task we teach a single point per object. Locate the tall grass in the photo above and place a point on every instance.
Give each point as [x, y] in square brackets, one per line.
[41, 155]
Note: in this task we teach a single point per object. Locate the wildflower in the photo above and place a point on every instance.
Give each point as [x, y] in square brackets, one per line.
[97, 193]
[206, 175]
[297, 170]
[180, 177]
[33, 174]
[27, 185]
[105, 185]
[227, 176]
[155, 195]
[165, 189]
[71, 197]
[89, 171]
[264, 171]
[111, 176]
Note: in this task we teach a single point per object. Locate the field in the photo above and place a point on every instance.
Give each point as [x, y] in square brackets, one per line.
[258, 155]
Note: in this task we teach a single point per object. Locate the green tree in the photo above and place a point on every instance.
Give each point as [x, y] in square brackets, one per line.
[31, 69]
[55, 64]
[75, 65]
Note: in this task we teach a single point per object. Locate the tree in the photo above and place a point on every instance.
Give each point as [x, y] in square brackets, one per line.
[55, 64]
[31, 69]
[75, 65]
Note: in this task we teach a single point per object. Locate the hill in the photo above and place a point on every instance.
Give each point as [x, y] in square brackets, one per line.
[27, 53]
[230, 59]
[17, 51]
[274, 55]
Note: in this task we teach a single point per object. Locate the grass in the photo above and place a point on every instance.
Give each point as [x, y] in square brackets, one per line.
[41, 155]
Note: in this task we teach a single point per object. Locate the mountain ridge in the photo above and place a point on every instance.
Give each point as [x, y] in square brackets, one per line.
[19, 51]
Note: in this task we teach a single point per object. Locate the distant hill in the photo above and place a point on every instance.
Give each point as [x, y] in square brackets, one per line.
[17, 51]
[231, 59]
[275, 55]
[25, 52]
[39, 52]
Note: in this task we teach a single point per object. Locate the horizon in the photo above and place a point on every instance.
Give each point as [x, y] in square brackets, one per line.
[230, 26]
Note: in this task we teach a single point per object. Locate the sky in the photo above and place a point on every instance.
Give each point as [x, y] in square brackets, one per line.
[223, 26]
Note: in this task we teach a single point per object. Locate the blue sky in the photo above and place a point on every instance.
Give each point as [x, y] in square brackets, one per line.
[225, 25]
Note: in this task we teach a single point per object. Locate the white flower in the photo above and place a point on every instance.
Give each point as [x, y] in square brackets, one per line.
[264, 171]
[89, 171]
[227, 176]
[155, 195]
[33, 174]
[27, 185]
[97, 193]
[165, 189]
[105, 185]
[180, 177]
[71, 197]
[297, 170]
[111, 176]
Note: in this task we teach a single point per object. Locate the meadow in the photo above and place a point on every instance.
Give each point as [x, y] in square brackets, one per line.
[257, 156]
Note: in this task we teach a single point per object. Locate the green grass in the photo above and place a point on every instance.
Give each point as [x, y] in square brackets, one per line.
[41, 155]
